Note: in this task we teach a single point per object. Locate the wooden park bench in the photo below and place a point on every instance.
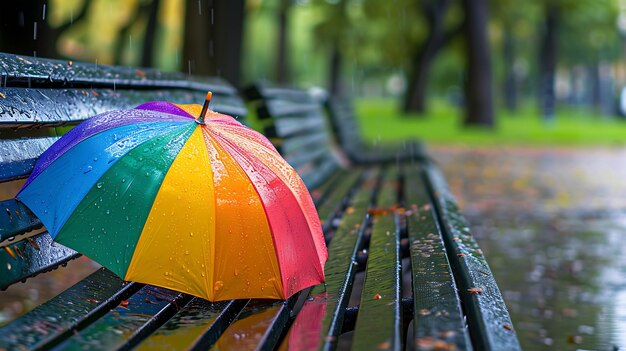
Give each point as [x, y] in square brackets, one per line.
[373, 217]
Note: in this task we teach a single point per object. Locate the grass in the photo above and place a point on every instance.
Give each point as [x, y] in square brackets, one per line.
[381, 120]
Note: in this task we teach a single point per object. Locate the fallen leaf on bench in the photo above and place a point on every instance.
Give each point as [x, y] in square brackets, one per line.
[474, 291]
[10, 252]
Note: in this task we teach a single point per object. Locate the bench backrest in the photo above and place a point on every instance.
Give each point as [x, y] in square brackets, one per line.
[295, 121]
[344, 123]
[37, 95]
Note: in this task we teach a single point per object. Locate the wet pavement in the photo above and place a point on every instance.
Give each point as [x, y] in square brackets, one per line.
[551, 223]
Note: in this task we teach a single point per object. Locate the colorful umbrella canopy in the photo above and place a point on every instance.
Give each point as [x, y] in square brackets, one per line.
[204, 206]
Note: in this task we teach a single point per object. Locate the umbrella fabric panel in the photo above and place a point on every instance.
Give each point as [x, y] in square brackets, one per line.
[111, 216]
[95, 125]
[268, 155]
[165, 107]
[175, 249]
[295, 250]
[78, 170]
[245, 258]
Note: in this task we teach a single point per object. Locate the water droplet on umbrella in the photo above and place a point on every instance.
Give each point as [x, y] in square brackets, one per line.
[236, 272]
[108, 212]
[99, 185]
[9, 266]
[218, 285]
[191, 234]
[123, 180]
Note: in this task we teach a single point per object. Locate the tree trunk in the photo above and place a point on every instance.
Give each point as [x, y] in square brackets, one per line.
[510, 81]
[213, 38]
[147, 56]
[547, 62]
[415, 98]
[478, 93]
[24, 28]
[596, 84]
[334, 85]
[282, 55]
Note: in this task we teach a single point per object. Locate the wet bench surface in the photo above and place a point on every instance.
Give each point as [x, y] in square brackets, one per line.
[374, 216]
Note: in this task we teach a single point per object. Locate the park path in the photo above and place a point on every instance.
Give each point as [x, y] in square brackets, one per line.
[552, 224]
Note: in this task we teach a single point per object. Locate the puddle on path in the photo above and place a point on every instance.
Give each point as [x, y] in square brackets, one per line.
[552, 224]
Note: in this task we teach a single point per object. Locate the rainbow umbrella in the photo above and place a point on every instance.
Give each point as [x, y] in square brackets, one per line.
[199, 205]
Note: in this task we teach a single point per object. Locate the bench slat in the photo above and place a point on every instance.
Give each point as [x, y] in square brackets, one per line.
[124, 325]
[305, 142]
[321, 193]
[27, 107]
[16, 219]
[55, 320]
[291, 127]
[313, 177]
[248, 329]
[487, 316]
[31, 256]
[199, 317]
[379, 323]
[300, 159]
[338, 198]
[319, 322]
[281, 108]
[18, 157]
[225, 319]
[30, 71]
[266, 90]
[436, 307]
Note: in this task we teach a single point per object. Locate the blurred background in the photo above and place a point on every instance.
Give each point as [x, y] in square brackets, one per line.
[522, 103]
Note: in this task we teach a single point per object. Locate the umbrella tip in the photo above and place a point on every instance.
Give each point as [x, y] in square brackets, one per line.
[205, 108]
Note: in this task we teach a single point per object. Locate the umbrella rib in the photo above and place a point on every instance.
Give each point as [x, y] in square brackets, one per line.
[209, 287]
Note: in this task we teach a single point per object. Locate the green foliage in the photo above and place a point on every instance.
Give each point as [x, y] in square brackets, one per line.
[589, 31]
